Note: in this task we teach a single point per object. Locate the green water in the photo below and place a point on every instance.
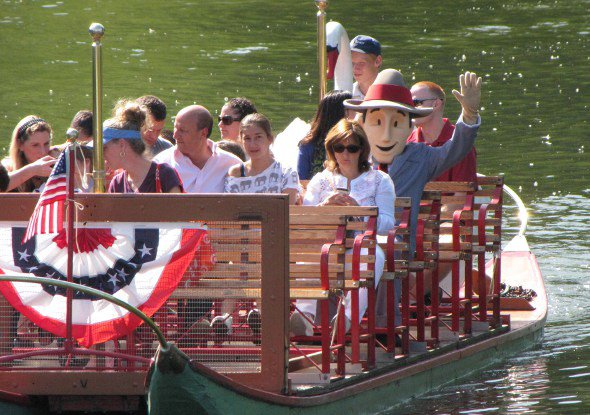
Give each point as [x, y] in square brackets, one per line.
[533, 55]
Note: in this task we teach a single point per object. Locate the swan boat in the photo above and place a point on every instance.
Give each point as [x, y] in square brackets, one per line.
[108, 314]
[177, 381]
[172, 364]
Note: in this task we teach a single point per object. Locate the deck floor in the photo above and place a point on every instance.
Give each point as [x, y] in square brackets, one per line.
[309, 376]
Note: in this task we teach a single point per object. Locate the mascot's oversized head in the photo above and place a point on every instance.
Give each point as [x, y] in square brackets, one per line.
[387, 113]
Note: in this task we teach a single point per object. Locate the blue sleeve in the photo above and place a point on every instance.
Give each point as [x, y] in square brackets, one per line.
[304, 161]
[453, 151]
[385, 200]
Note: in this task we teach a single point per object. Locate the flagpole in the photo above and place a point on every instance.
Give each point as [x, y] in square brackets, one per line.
[322, 5]
[72, 135]
[96, 30]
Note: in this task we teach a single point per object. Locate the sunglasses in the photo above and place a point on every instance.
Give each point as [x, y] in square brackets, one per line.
[228, 119]
[351, 148]
[419, 102]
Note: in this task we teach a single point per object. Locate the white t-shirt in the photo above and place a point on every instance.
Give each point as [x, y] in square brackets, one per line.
[274, 179]
[371, 188]
[210, 178]
[356, 92]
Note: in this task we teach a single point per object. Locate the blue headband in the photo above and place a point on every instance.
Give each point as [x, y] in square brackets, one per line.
[109, 134]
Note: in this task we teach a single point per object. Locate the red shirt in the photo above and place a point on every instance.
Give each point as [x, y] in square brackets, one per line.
[465, 170]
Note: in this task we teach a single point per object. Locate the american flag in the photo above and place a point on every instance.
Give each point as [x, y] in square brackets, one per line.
[48, 216]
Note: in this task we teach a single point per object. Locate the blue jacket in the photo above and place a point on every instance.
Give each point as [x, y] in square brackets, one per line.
[305, 161]
[420, 163]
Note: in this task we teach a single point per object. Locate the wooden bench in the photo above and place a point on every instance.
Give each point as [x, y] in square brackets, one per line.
[325, 262]
[356, 269]
[475, 215]
[399, 262]
[426, 257]
[488, 203]
[455, 251]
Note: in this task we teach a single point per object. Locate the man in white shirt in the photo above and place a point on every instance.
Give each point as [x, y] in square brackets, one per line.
[366, 61]
[202, 165]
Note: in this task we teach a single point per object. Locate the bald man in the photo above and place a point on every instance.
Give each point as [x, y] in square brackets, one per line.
[201, 164]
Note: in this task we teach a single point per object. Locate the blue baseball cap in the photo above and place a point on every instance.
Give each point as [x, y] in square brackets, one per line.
[365, 44]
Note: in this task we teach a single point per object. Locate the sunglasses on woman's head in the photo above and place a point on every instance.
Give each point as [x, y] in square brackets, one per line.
[227, 119]
[351, 148]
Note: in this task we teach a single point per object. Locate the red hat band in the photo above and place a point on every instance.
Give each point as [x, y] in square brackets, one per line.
[388, 92]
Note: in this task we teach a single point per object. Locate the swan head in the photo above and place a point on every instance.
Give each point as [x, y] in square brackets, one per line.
[339, 56]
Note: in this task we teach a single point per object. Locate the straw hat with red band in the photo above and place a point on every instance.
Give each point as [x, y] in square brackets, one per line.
[388, 91]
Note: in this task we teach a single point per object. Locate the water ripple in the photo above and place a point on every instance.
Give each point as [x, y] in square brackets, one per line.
[244, 51]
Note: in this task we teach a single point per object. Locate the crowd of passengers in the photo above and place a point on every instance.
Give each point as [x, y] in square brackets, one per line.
[141, 156]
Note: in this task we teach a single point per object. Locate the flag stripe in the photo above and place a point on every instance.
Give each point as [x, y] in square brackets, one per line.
[48, 215]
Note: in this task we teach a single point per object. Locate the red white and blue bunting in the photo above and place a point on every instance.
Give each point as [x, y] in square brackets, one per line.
[141, 265]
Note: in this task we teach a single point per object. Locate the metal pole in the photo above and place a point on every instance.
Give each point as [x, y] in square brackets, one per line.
[72, 135]
[322, 5]
[96, 30]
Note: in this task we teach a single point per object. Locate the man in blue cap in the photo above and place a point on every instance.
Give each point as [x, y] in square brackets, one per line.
[366, 61]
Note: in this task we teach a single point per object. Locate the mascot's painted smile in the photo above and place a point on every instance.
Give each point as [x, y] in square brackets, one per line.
[386, 149]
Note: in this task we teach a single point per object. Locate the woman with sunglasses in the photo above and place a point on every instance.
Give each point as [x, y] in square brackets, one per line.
[231, 114]
[348, 180]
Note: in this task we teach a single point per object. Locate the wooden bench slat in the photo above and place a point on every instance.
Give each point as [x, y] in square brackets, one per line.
[463, 246]
[365, 244]
[335, 210]
[322, 234]
[232, 256]
[451, 186]
[236, 293]
[305, 247]
[254, 249]
[186, 293]
[315, 257]
[236, 268]
[403, 202]
[308, 294]
[297, 274]
[298, 220]
[232, 234]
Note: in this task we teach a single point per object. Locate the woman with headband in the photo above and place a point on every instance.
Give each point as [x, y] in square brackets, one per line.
[29, 163]
[124, 150]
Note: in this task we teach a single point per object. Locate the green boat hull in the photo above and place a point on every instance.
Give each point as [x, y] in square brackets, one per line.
[193, 392]
[7, 408]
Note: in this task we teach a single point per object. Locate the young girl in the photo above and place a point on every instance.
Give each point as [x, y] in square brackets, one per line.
[261, 174]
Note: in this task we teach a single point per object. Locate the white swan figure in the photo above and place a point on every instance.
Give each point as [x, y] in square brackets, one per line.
[339, 58]
[286, 143]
